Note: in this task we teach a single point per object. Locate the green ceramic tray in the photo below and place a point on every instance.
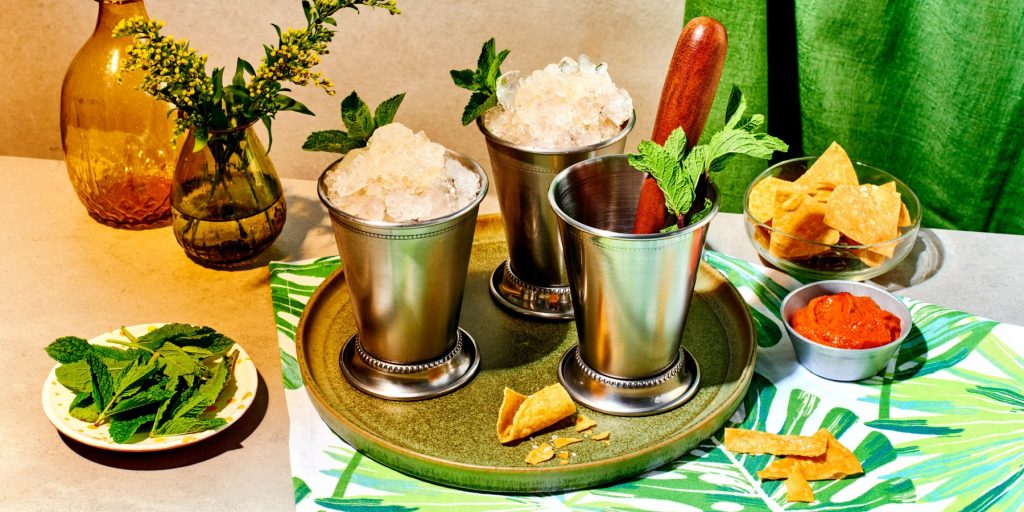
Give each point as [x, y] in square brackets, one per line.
[451, 440]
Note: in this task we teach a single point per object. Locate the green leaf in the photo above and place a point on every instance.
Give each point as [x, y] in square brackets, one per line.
[181, 426]
[356, 116]
[177, 362]
[286, 104]
[463, 78]
[102, 383]
[300, 489]
[75, 376]
[121, 431]
[149, 396]
[478, 104]
[84, 410]
[207, 392]
[332, 141]
[239, 77]
[385, 112]
[133, 374]
[68, 349]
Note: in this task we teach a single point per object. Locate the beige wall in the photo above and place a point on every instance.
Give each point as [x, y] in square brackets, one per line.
[373, 53]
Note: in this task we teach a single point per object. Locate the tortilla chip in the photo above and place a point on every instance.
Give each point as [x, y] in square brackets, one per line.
[865, 213]
[797, 488]
[542, 453]
[837, 462]
[870, 257]
[583, 423]
[831, 169]
[763, 237]
[562, 442]
[602, 436]
[904, 212]
[761, 203]
[756, 443]
[521, 416]
[799, 217]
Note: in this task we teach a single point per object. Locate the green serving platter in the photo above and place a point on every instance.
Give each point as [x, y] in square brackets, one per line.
[451, 440]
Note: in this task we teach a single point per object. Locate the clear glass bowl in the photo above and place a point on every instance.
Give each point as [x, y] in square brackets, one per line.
[847, 261]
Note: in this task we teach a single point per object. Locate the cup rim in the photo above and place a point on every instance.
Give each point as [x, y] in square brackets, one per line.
[461, 157]
[490, 136]
[909, 233]
[904, 332]
[561, 177]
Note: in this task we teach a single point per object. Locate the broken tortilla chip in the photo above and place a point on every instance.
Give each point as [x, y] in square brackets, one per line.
[904, 219]
[756, 443]
[601, 436]
[761, 201]
[583, 423]
[831, 169]
[542, 453]
[520, 416]
[799, 219]
[562, 442]
[865, 213]
[837, 462]
[797, 487]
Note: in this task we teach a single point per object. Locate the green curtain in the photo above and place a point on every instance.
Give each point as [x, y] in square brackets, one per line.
[929, 90]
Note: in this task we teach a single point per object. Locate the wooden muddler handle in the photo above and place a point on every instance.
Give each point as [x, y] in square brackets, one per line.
[686, 98]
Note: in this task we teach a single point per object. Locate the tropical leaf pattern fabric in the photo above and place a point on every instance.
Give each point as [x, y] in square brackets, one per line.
[942, 428]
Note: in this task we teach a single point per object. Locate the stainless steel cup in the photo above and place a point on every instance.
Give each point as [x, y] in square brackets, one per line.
[533, 281]
[630, 292]
[406, 282]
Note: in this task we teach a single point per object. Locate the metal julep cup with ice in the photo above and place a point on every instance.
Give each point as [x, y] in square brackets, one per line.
[631, 292]
[533, 281]
[406, 283]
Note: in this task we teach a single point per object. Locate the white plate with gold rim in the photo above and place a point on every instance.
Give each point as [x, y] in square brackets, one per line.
[231, 405]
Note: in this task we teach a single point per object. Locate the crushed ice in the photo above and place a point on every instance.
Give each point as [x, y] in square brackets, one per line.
[565, 105]
[400, 176]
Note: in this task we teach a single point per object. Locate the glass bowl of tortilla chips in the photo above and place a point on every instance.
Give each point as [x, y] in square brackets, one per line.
[827, 217]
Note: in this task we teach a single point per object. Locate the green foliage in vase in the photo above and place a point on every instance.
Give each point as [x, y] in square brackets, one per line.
[176, 73]
[483, 81]
[164, 380]
[361, 124]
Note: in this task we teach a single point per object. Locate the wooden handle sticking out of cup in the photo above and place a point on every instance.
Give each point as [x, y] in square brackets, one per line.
[686, 98]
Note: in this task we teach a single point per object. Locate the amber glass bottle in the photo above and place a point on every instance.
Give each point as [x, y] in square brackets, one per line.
[117, 140]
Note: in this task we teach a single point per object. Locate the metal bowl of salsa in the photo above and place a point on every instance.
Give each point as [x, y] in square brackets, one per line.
[845, 330]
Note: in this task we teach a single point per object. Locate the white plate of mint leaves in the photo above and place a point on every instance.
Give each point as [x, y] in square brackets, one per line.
[148, 387]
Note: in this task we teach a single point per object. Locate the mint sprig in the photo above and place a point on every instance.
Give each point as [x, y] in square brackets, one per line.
[361, 124]
[678, 170]
[483, 81]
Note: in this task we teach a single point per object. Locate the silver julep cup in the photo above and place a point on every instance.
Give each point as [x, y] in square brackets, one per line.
[406, 282]
[631, 292]
[533, 281]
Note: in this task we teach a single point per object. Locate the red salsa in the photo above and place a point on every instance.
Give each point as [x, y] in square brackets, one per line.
[846, 321]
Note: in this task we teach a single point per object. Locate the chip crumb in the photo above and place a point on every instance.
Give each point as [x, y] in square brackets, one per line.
[607, 443]
[602, 436]
[542, 453]
[561, 442]
[563, 462]
[563, 454]
[584, 423]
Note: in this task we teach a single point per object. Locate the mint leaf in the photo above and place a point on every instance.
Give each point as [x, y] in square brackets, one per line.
[482, 81]
[177, 363]
[181, 426]
[121, 431]
[361, 124]
[356, 116]
[143, 398]
[102, 383]
[207, 392]
[68, 349]
[385, 112]
[678, 170]
[153, 339]
[132, 375]
[75, 376]
[115, 354]
[84, 409]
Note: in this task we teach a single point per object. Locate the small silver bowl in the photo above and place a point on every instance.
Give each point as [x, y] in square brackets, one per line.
[843, 364]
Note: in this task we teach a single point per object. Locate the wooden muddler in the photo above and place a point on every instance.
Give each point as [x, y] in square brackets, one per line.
[686, 98]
